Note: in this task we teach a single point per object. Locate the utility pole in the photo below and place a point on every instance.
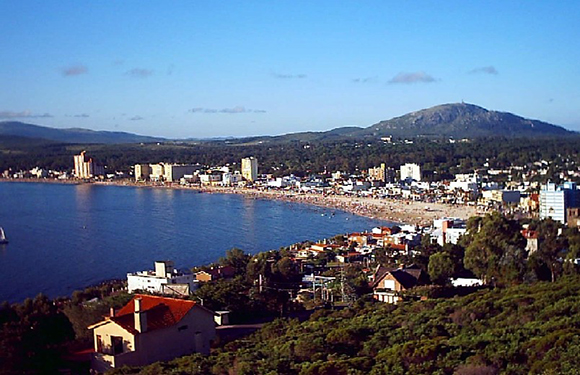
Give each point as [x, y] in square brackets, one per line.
[342, 284]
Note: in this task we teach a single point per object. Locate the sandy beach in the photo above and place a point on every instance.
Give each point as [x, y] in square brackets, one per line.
[394, 210]
[399, 211]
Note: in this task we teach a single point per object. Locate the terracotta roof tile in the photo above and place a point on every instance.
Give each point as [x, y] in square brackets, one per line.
[161, 312]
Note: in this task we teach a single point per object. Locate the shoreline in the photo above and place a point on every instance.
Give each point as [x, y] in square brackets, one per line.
[397, 211]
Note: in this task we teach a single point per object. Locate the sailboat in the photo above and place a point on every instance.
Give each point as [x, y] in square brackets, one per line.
[3, 239]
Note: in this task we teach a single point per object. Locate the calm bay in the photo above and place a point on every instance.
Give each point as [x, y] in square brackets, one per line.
[65, 237]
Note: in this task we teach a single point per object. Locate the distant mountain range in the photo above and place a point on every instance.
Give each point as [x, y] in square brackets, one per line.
[457, 120]
[72, 135]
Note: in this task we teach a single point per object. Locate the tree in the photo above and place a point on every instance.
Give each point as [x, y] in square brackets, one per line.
[550, 246]
[487, 240]
[237, 259]
[573, 239]
[440, 268]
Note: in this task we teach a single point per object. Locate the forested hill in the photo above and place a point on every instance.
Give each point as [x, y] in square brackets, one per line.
[72, 135]
[462, 120]
[456, 120]
[526, 329]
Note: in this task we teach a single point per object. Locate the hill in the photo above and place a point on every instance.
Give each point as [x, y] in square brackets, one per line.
[456, 120]
[71, 135]
[462, 120]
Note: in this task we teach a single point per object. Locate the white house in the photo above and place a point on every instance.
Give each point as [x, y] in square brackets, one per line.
[411, 171]
[165, 279]
[150, 329]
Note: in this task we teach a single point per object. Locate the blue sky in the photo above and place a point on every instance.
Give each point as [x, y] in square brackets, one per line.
[235, 68]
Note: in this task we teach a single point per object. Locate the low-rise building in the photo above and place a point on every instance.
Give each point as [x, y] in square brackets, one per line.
[161, 280]
[501, 196]
[150, 329]
[573, 217]
[388, 285]
[214, 273]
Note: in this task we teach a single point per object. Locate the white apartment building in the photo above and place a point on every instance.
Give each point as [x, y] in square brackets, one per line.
[87, 168]
[142, 172]
[412, 171]
[160, 280]
[174, 172]
[157, 172]
[555, 200]
[250, 168]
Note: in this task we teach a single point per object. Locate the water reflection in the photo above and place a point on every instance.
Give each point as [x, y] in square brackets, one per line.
[65, 237]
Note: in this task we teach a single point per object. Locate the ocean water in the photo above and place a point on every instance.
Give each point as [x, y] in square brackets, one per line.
[65, 237]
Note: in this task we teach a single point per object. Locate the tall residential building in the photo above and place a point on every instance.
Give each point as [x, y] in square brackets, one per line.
[174, 172]
[157, 171]
[87, 167]
[556, 199]
[412, 171]
[142, 172]
[378, 173]
[250, 168]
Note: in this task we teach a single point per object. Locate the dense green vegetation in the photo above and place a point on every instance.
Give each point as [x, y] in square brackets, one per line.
[438, 159]
[37, 335]
[531, 328]
[526, 320]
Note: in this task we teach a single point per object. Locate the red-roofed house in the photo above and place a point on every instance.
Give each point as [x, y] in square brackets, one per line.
[531, 237]
[388, 285]
[150, 329]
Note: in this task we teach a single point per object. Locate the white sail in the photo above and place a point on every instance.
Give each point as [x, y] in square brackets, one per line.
[2, 236]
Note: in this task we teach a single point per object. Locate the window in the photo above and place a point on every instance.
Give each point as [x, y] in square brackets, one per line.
[117, 342]
[99, 344]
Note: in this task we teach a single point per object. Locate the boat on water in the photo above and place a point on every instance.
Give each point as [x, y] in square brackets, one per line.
[3, 239]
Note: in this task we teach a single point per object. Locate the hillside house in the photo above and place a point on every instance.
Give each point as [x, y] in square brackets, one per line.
[388, 285]
[215, 273]
[150, 329]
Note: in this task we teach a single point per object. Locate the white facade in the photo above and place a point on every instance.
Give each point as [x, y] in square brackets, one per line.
[555, 200]
[210, 178]
[174, 172]
[412, 171]
[87, 168]
[158, 280]
[157, 172]
[142, 172]
[250, 168]
[231, 179]
[465, 182]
